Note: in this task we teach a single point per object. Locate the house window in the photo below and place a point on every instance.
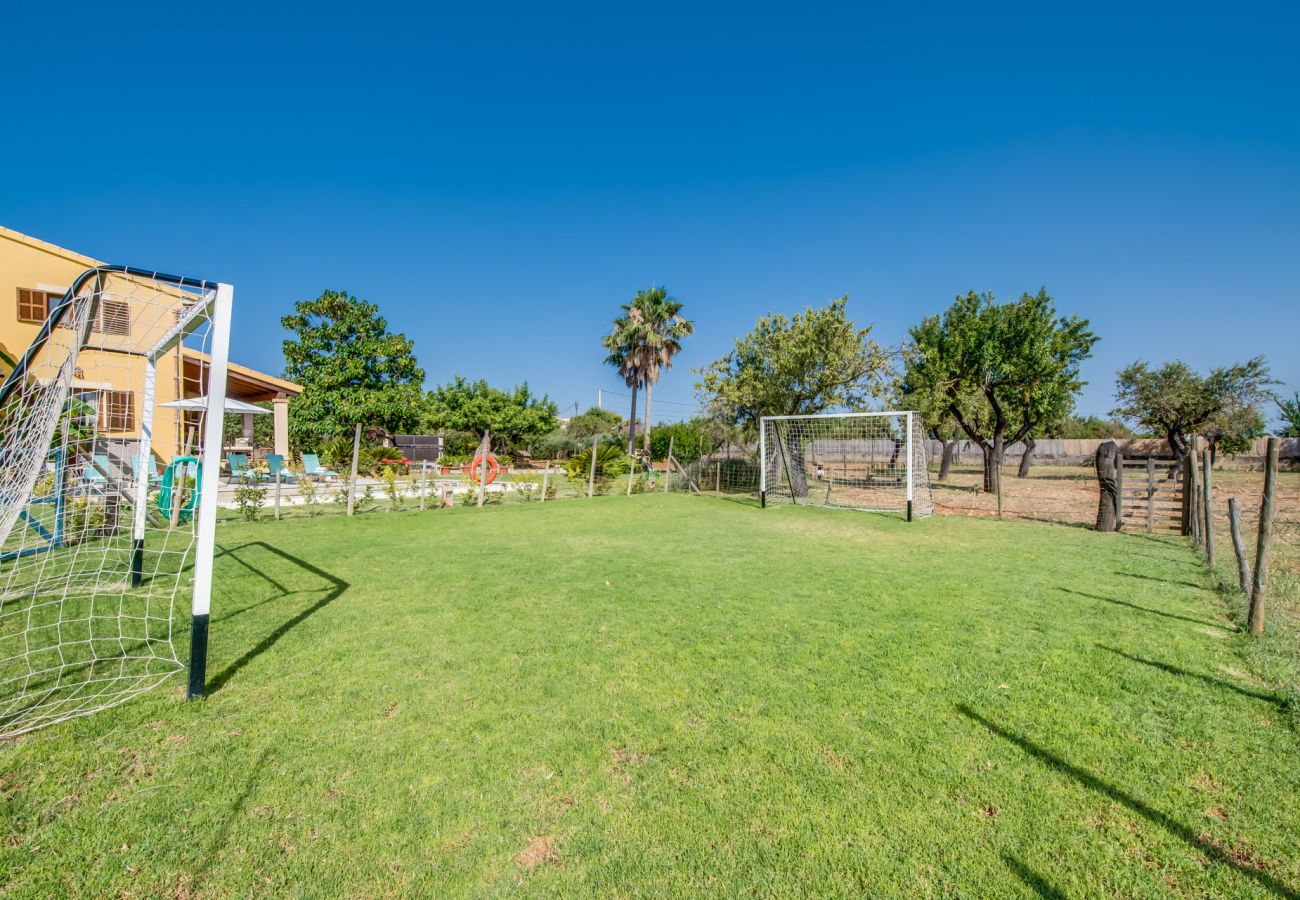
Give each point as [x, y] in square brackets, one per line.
[34, 305]
[114, 317]
[116, 411]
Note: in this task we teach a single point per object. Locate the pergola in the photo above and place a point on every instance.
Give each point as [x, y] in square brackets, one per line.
[250, 386]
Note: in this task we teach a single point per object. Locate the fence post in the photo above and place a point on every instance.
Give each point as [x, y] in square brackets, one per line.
[546, 478]
[1187, 498]
[1151, 494]
[482, 468]
[1264, 548]
[1208, 504]
[1194, 497]
[591, 479]
[1239, 546]
[717, 478]
[424, 481]
[352, 483]
[277, 494]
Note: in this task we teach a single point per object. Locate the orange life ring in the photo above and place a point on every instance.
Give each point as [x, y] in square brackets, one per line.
[472, 470]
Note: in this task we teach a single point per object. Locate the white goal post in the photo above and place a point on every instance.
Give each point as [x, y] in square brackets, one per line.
[873, 461]
[108, 492]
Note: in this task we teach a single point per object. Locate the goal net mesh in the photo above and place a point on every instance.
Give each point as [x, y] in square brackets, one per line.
[89, 467]
[857, 461]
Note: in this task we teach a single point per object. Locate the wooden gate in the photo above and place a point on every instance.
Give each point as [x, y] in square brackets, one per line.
[1153, 496]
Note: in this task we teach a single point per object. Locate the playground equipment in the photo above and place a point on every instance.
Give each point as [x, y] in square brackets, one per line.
[188, 495]
[51, 532]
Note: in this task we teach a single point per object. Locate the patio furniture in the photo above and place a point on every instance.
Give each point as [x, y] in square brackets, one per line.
[275, 464]
[155, 477]
[239, 467]
[312, 468]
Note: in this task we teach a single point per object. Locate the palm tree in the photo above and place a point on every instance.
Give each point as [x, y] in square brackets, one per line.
[663, 328]
[642, 344]
[626, 353]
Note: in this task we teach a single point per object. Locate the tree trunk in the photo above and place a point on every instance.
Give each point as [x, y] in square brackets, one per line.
[795, 466]
[1026, 458]
[631, 424]
[993, 464]
[945, 464]
[1108, 478]
[645, 426]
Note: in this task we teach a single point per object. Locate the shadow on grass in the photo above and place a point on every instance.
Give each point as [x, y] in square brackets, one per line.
[1146, 609]
[1208, 679]
[1035, 882]
[218, 843]
[1201, 843]
[336, 589]
[1171, 581]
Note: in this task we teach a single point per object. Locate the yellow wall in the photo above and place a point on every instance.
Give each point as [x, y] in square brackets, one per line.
[28, 263]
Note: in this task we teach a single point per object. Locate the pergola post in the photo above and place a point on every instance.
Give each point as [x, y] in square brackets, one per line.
[280, 410]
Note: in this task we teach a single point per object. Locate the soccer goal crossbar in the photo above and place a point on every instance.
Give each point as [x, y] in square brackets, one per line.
[871, 461]
[97, 545]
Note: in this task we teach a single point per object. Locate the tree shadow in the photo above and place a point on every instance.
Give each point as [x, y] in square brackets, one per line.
[1190, 584]
[1208, 679]
[1035, 882]
[337, 587]
[1146, 609]
[1202, 844]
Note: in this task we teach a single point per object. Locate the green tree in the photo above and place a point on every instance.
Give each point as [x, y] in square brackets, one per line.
[595, 421]
[1290, 410]
[1092, 427]
[352, 369]
[1005, 369]
[808, 363]
[1233, 431]
[515, 417]
[1175, 402]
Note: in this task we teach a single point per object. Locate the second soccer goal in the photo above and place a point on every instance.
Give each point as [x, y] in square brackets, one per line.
[869, 461]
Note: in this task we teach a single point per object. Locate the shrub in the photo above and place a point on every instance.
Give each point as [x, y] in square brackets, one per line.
[308, 491]
[392, 488]
[611, 461]
[687, 441]
[250, 497]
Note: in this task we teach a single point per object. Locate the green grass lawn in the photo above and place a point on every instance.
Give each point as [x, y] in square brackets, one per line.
[673, 695]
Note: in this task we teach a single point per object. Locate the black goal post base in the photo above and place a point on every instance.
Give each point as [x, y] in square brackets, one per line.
[762, 499]
[198, 657]
[137, 563]
[909, 510]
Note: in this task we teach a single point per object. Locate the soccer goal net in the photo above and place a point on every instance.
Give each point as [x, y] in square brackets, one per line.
[869, 461]
[109, 455]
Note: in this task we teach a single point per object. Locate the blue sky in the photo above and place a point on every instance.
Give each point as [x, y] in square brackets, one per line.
[499, 179]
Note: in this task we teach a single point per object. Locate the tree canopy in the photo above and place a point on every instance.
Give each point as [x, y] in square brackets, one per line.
[594, 421]
[1093, 427]
[808, 363]
[1176, 403]
[515, 417]
[1290, 410]
[352, 369]
[1004, 371]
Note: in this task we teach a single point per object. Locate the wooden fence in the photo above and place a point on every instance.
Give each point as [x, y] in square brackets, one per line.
[1154, 497]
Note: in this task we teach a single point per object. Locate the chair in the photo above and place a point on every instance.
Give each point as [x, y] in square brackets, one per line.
[312, 468]
[275, 464]
[155, 477]
[95, 473]
[238, 467]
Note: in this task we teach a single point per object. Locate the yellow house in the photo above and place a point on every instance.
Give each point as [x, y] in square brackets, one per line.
[33, 274]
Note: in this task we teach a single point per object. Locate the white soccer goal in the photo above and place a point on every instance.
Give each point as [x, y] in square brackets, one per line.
[108, 493]
[869, 461]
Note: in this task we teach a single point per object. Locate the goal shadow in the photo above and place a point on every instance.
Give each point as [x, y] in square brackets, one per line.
[333, 587]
